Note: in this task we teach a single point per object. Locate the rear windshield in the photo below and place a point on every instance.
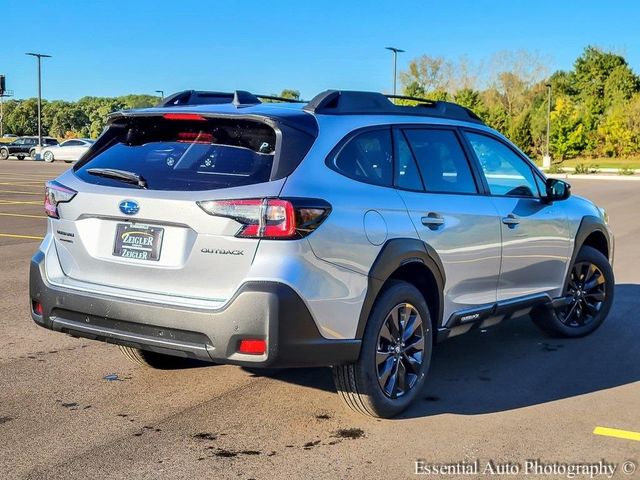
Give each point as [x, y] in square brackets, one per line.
[182, 153]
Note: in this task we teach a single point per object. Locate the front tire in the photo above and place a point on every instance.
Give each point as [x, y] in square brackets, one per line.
[48, 157]
[395, 354]
[157, 361]
[589, 292]
[32, 153]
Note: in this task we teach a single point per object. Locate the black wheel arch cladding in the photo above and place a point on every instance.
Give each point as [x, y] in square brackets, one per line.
[588, 226]
[395, 254]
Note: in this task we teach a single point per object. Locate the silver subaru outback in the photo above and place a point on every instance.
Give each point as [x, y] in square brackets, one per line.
[348, 232]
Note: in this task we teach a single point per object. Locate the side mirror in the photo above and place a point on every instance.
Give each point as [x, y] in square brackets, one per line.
[557, 190]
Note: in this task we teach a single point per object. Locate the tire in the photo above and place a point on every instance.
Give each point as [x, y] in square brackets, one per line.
[4, 153]
[20, 157]
[158, 361]
[68, 161]
[48, 157]
[32, 154]
[591, 288]
[360, 384]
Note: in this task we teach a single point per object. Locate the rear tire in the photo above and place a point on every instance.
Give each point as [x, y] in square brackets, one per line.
[591, 288]
[4, 153]
[20, 157]
[32, 153]
[158, 361]
[389, 374]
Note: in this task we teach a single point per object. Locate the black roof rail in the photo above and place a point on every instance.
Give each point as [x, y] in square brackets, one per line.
[238, 98]
[348, 102]
[281, 99]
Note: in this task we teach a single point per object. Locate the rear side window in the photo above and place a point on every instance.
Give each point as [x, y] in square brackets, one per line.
[442, 161]
[183, 154]
[367, 157]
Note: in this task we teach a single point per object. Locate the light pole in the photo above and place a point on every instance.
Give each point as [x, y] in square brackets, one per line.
[546, 160]
[395, 51]
[161, 92]
[39, 56]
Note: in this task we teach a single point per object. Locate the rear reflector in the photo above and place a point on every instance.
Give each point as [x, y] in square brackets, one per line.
[253, 347]
[37, 308]
[184, 116]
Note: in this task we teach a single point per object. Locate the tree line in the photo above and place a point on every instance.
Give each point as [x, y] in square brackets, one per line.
[84, 118]
[595, 106]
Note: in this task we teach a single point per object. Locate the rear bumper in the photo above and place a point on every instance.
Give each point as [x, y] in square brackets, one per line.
[259, 310]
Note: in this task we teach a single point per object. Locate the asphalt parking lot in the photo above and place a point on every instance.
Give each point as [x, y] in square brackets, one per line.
[73, 408]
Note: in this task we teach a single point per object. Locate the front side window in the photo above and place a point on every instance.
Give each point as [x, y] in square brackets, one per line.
[507, 174]
[367, 157]
[442, 161]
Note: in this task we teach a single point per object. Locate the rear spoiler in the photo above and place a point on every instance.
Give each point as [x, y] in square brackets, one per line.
[238, 98]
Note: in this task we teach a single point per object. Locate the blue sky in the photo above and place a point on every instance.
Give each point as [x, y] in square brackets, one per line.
[118, 47]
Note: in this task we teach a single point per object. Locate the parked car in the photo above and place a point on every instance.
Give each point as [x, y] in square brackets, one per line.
[23, 147]
[69, 150]
[347, 232]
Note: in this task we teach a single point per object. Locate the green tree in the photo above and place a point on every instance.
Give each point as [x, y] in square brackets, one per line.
[23, 118]
[591, 71]
[620, 85]
[568, 137]
[619, 131]
[289, 93]
[467, 97]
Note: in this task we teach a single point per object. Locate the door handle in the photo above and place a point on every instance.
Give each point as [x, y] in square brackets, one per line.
[511, 220]
[433, 220]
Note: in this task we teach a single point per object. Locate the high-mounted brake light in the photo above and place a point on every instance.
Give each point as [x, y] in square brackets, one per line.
[184, 116]
[55, 194]
[271, 218]
[195, 137]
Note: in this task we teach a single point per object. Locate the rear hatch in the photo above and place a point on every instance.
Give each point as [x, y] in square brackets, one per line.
[135, 222]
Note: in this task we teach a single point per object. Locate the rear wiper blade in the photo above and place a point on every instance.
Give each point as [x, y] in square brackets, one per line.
[122, 175]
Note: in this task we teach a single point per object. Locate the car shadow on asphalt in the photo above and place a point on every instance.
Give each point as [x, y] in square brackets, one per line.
[514, 365]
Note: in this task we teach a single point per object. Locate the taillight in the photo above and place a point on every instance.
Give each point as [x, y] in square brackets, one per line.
[271, 218]
[55, 194]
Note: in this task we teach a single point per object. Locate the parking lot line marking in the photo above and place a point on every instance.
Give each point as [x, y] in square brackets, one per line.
[16, 191]
[614, 432]
[21, 215]
[26, 183]
[22, 176]
[16, 202]
[11, 235]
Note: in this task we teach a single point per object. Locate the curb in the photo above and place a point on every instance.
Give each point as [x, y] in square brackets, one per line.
[594, 176]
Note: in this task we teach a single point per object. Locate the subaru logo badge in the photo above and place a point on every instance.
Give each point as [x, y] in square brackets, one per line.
[129, 207]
